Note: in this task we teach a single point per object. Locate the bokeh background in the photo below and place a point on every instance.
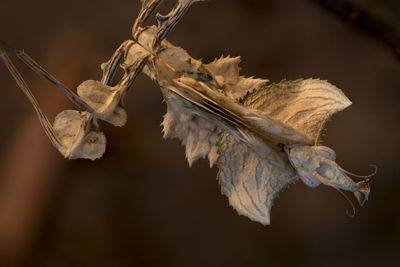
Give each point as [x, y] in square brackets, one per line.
[140, 204]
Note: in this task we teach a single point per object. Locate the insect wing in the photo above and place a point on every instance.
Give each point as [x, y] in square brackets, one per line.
[250, 182]
[304, 105]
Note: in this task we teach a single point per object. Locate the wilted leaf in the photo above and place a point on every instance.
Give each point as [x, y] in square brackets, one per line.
[197, 134]
[77, 135]
[249, 181]
[236, 116]
[304, 105]
[104, 100]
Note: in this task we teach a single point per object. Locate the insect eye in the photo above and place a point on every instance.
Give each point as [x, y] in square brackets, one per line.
[326, 170]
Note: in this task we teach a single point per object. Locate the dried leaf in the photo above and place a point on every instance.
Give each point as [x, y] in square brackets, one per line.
[77, 135]
[105, 100]
[197, 134]
[304, 105]
[249, 181]
[236, 116]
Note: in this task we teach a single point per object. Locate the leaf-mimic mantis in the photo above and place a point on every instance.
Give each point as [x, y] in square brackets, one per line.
[262, 136]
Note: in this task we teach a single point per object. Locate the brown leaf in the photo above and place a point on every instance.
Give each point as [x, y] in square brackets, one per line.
[197, 134]
[249, 181]
[304, 105]
[77, 135]
[105, 100]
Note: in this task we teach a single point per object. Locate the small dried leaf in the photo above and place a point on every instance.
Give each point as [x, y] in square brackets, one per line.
[105, 100]
[75, 131]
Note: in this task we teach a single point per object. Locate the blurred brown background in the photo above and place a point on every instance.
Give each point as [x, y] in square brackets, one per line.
[140, 204]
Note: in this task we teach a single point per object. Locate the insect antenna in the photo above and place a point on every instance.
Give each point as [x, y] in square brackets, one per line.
[353, 212]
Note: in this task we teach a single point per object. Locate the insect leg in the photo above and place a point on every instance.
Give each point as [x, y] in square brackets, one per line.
[48, 128]
[167, 22]
[131, 70]
[72, 96]
[110, 67]
[147, 8]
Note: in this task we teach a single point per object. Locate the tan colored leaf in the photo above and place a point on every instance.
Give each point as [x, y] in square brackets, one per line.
[249, 181]
[197, 134]
[304, 105]
[235, 115]
[104, 100]
[78, 139]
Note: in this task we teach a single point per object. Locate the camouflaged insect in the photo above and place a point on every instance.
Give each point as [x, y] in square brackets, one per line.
[262, 136]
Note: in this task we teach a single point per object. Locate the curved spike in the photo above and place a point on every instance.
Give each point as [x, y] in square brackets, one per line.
[361, 176]
[351, 215]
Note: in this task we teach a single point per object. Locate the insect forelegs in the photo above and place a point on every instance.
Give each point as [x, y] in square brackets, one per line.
[25, 58]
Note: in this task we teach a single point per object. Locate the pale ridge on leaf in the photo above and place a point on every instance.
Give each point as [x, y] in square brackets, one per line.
[249, 181]
[305, 105]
